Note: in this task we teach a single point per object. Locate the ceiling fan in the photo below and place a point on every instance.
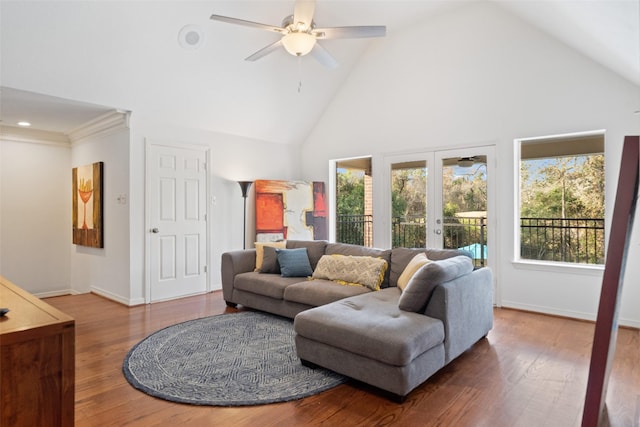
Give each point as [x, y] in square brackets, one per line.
[300, 35]
[467, 162]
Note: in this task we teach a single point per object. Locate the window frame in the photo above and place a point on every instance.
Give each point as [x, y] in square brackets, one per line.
[544, 265]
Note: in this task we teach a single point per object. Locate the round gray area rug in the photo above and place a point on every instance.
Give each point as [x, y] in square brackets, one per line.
[245, 358]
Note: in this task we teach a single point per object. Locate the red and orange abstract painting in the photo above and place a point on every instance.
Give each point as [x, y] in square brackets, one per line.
[293, 210]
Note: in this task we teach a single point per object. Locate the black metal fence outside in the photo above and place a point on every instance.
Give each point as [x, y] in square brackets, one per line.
[575, 240]
[355, 229]
[409, 232]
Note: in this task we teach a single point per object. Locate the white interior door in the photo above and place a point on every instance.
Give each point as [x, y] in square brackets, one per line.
[177, 227]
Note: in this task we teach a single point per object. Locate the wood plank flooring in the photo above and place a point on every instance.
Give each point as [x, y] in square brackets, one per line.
[531, 370]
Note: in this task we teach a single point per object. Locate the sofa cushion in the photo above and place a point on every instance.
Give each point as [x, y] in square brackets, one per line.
[352, 270]
[319, 292]
[357, 250]
[269, 285]
[400, 258]
[315, 249]
[260, 250]
[270, 261]
[414, 265]
[419, 289]
[294, 262]
[372, 325]
[439, 254]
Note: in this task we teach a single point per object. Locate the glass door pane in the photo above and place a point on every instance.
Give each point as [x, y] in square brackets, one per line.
[409, 204]
[463, 221]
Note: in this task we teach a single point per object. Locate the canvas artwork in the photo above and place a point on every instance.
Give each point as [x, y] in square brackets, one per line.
[87, 205]
[293, 210]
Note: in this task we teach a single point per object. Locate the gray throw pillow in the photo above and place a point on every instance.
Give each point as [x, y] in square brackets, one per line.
[294, 262]
[270, 261]
[418, 291]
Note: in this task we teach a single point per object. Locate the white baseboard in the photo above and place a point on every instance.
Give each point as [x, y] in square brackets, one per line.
[629, 323]
[566, 313]
[59, 293]
[116, 298]
[549, 310]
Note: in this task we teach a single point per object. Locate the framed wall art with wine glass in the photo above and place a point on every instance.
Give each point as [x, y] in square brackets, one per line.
[87, 205]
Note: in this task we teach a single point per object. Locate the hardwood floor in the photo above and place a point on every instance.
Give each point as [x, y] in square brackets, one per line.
[531, 370]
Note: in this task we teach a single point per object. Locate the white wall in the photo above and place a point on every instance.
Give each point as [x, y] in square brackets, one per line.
[477, 76]
[232, 159]
[106, 270]
[73, 56]
[35, 211]
[35, 205]
[481, 76]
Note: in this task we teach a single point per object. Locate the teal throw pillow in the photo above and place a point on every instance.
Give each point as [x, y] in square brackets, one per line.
[294, 262]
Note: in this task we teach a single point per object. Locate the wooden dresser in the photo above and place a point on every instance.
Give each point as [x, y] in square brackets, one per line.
[37, 361]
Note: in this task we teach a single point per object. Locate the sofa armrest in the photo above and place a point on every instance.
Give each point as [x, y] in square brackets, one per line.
[234, 263]
[465, 306]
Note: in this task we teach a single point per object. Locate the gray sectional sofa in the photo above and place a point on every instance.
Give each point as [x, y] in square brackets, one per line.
[364, 333]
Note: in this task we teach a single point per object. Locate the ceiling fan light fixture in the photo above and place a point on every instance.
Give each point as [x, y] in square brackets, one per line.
[465, 162]
[298, 44]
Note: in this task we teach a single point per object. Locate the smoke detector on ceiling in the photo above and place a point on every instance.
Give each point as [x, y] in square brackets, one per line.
[191, 37]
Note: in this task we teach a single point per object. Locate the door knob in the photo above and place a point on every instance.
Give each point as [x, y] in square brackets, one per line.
[155, 230]
[437, 231]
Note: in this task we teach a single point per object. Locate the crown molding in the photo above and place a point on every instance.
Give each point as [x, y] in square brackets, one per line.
[34, 136]
[102, 125]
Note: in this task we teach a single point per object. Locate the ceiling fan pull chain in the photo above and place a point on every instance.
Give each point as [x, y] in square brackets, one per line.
[299, 73]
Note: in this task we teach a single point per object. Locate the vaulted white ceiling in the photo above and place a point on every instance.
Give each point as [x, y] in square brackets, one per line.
[127, 55]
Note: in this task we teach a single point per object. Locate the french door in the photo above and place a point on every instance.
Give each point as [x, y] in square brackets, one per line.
[441, 199]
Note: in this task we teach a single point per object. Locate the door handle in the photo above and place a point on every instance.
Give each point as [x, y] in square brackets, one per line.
[437, 231]
[155, 230]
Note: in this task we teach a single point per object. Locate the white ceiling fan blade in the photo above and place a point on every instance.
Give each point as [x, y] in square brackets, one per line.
[264, 51]
[350, 32]
[303, 12]
[252, 24]
[323, 56]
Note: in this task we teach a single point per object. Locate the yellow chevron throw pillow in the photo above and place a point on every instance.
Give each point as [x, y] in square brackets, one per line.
[352, 270]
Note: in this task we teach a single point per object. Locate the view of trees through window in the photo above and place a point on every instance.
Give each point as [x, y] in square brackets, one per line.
[464, 205]
[354, 219]
[409, 204]
[562, 202]
[466, 189]
[350, 192]
[464, 200]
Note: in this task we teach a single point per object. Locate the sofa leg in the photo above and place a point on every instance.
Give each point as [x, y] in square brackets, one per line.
[308, 364]
[231, 304]
[398, 398]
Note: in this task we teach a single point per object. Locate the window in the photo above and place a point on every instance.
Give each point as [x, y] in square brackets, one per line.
[354, 202]
[561, 200]
[409, 204]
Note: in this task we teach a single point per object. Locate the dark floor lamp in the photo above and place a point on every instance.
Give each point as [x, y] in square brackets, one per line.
[244, 186]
